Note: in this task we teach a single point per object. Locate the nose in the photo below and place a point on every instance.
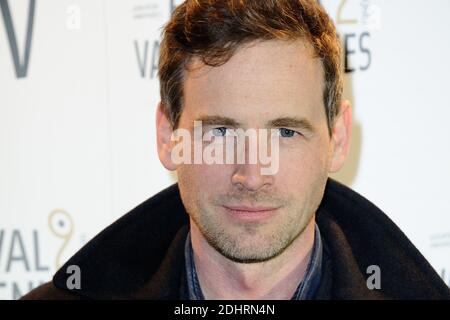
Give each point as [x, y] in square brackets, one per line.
[248, 173]
[249, 176]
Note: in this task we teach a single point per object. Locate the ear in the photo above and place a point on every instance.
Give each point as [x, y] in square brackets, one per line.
[164, 132]
[342, 131]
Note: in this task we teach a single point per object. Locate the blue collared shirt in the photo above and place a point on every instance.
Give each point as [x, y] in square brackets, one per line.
[305, 290]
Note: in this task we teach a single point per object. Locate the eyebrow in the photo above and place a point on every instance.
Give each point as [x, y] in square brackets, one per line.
[218, 120]
[291, 122]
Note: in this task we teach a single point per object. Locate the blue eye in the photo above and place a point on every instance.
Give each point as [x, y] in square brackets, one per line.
[219, 132]
[287, 133]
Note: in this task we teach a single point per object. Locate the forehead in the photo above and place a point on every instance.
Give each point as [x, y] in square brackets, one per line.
[262, 78]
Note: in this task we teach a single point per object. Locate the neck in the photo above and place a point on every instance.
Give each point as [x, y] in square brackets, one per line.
[275, 279]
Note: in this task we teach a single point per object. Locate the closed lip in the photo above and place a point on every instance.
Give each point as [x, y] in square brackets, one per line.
[250, 208]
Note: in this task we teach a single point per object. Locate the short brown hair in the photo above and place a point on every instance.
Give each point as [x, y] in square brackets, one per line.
[213, 30]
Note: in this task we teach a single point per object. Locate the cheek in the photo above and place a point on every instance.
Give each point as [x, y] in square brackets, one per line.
[203, 180]
[301, 166]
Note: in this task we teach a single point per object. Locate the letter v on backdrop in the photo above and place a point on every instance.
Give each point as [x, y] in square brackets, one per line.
[21, 67]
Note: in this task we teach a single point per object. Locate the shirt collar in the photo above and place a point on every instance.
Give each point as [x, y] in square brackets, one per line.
[305, 290]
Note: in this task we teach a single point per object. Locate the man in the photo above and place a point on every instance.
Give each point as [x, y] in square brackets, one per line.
[229, 230]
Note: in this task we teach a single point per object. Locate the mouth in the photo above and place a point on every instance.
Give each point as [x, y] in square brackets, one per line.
[249, 213]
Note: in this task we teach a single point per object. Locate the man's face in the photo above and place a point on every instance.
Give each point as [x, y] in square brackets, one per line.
[260, 85]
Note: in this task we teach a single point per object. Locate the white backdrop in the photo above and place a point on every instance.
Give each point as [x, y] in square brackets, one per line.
[77, 138]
